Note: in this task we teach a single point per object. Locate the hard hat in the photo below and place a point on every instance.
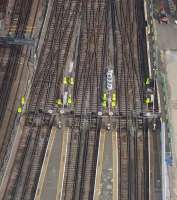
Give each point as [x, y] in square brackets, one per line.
[72, 81]
[23, 100]
[113, 104]
[69, 99]
[65, 81]
[147, 101]
[19, 110]
[58, 102]
[147, 81]
[114, 97]
[104, 96]
[104, 104]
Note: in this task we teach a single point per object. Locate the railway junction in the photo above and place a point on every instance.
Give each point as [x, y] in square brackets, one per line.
[81, 112]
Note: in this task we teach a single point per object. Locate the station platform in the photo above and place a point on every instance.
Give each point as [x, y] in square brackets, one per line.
[52, 173]
[171, 69]
[106, 183]
[166, 42]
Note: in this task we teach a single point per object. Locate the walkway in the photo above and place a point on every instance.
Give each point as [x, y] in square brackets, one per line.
[51, 178]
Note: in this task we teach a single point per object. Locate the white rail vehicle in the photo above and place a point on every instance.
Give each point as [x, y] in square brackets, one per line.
[109, 79]
[65, 97]
[71, 67]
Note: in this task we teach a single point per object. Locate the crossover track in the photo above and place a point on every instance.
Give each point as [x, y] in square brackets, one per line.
[90, 61]
[111, 33]
[129, 65]
[11, 61]
[10, 58]
[20, 16]
[38, 123]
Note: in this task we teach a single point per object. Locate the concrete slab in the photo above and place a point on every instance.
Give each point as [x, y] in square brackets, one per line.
[46, 163]
[62, 167]
[171, 69]
[49, 188]
[106, 185]
[50, 183]
[166, 36]
[107, 174]
[115, 166]
[98, 185]
[166, 41]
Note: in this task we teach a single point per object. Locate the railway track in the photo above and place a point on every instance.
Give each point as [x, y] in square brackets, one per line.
[124, 163]
[129, 70]
[131, 147]
[141, 191]
[80, 170]
[24, 176]
[91, 63]
[49, 75]
[10, 60]
[3, 6]
[81, 162]
[26, 168]
[20, 16]
[3, 62]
